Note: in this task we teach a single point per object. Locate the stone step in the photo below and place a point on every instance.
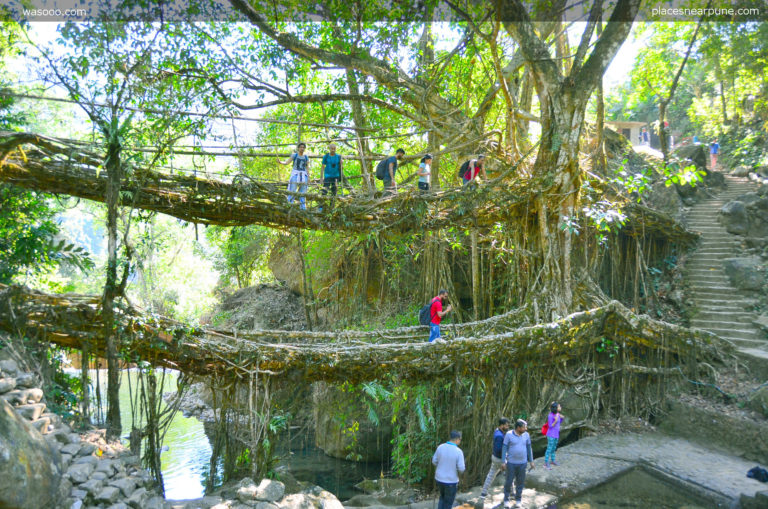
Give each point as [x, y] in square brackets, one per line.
[716, 244]
[703, 282]
[41, 425]
[750, 343]
[756, 352]
[720, 252]
[717, 290]
[705, 265]
[31, 412]
[23, 396]
[722, 305]
[737, 333]
[737, 316]
[715, 323]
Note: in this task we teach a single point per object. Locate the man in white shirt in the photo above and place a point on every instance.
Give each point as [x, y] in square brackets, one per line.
[449, 463]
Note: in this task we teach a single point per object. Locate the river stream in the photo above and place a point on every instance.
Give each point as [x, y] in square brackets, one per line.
[186, 451]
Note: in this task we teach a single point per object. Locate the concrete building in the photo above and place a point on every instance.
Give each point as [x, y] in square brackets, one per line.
[630, 130]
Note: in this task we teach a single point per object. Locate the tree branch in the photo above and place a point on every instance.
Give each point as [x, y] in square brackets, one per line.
[594, 15]
[608, 44]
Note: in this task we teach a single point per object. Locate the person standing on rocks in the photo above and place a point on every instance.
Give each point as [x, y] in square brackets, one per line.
[449, 463]
[516, 455]
[496, 463]
[553, 434]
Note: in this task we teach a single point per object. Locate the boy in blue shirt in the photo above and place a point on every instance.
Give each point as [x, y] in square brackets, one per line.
[331, 173]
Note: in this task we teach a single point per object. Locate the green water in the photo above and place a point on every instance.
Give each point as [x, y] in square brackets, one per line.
[638, 489]
[186, 461]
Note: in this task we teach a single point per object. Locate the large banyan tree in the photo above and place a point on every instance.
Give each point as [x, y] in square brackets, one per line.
[458, 105]
[474, 84]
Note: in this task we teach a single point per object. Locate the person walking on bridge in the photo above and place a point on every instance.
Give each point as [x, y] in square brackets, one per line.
[437, 313]
[387, 169]
[449, 463]
[425, 170]
[471, 169]
[516, 455]
[331, 173]
[299, 174]
[496, 463]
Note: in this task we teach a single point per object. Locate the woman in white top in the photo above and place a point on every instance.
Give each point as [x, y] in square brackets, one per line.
[425, 170]
[300, 173]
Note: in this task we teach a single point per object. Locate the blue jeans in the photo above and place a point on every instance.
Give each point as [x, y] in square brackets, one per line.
[302, 186]
[447, 494]
[549, 456]
[515, 473]
[434, 332]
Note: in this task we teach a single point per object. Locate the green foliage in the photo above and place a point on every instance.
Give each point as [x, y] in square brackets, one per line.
[63, 391]
[608, 346]
[29, 243]
[413, 445]
[241, 252]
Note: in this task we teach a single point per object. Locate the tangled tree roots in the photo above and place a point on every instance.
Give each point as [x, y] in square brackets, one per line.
[619, 362]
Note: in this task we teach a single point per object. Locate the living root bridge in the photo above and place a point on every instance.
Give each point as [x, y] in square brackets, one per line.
[59, 167]
[627, 340]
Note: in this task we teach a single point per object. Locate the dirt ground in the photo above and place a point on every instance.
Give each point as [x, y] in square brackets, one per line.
[260, 307]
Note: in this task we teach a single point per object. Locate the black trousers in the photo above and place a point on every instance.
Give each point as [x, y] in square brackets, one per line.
[330, 182]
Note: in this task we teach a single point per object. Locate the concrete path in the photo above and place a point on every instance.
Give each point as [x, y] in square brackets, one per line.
[592, 460]
[722, 309]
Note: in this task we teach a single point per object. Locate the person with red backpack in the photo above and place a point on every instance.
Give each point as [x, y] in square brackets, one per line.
[436, 314]
[470, 170]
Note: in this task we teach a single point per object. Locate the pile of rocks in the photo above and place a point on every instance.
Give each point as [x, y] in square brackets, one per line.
[46, 464]
[51, 466]
[22, 391]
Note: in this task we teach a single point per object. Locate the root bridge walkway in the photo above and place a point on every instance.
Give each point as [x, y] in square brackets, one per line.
[58, 167]
[615, 339]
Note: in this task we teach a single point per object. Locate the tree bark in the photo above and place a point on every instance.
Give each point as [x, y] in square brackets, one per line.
[476, 293]
[600, 158]
[85, 400]
[563, 100]
[114, 177]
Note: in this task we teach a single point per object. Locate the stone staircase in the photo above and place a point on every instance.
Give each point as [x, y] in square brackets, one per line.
[21, 390]
[722, 309]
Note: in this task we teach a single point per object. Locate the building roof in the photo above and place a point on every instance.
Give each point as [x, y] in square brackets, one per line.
[625, 123]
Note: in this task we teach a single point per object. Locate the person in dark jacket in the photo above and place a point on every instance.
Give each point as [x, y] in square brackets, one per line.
[496, 463]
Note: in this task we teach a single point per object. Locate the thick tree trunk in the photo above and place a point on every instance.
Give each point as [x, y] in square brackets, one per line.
[85, 401]
[477, 299]
[600, 158]
[663, 142]
[114, 177]
[558, 158]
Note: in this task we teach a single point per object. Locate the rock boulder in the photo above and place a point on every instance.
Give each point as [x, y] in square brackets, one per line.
[694, 153]
[31, 468]
[267, 491]
[758, 401]
[734, 217]
[745, 273]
